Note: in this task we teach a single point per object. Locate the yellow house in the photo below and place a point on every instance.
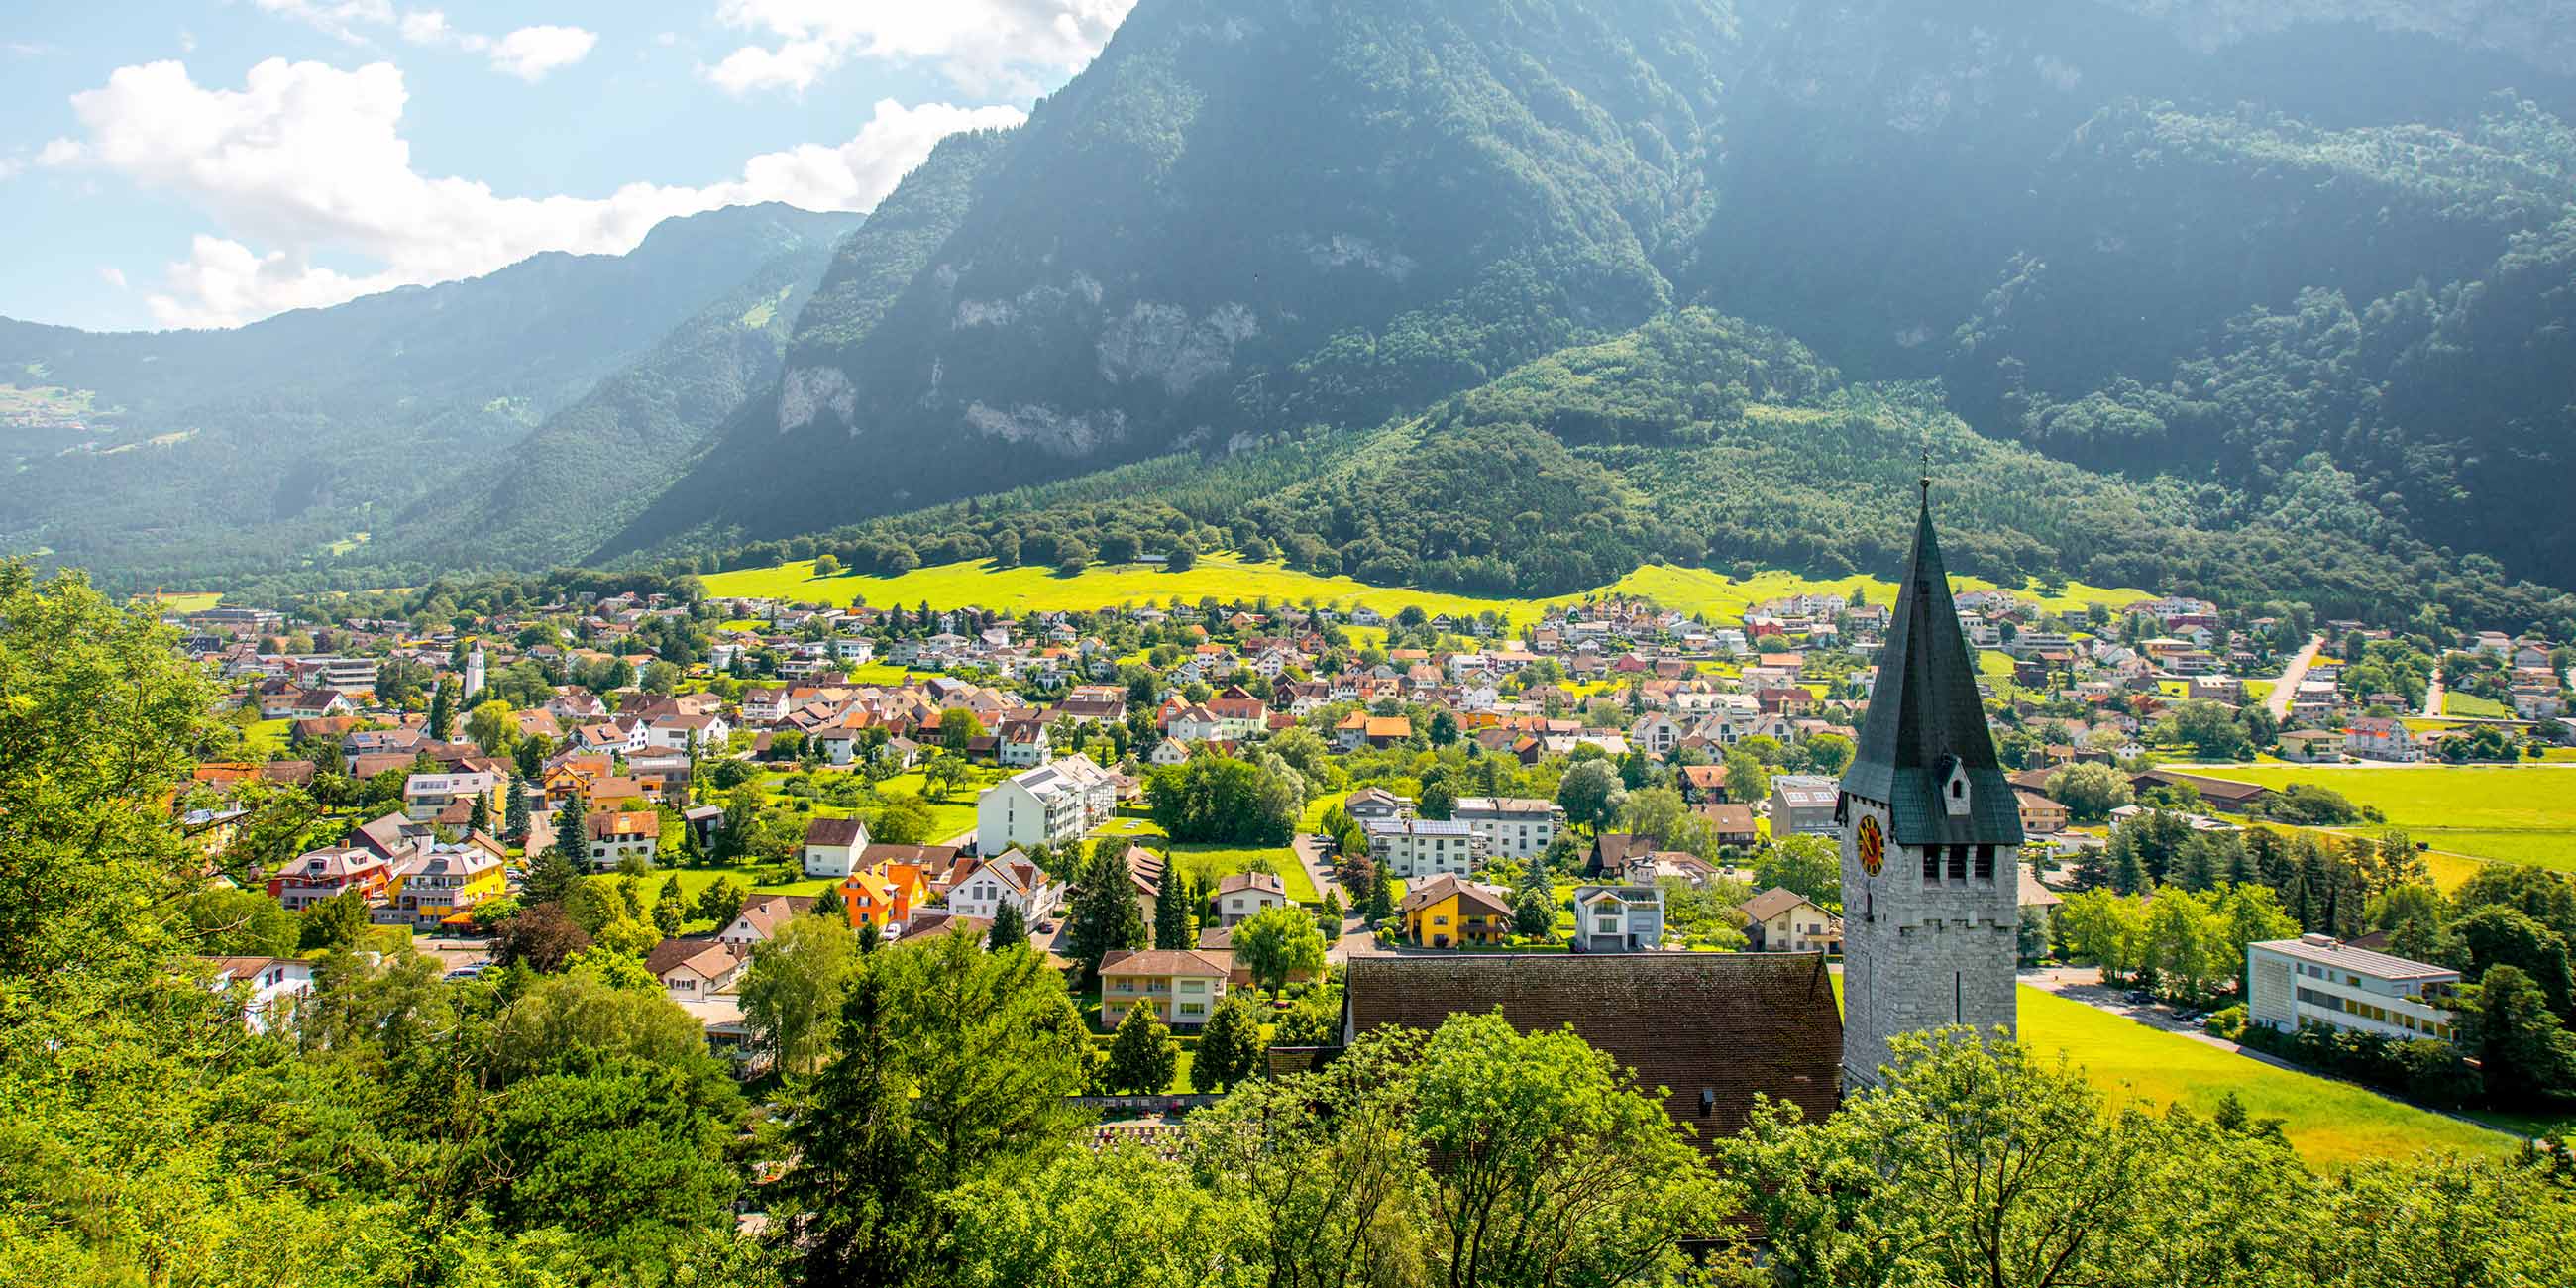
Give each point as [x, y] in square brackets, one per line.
[1450, 912]
[447, 881]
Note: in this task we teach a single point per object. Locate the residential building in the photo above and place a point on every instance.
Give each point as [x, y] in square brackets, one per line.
[1448, 911]
[2382, 738]
[1411, 849]
[1618, 919]
[1512, 827]
[2317, 979]
[326, 874]
[986, 885]
[884, 897]
[697, 967]
[1804, 805]
[2040, 816]
[1732, 824]
[832, 846]
[1375, 804]
[1052, 805]
[1244, 893]
[425, 796]
[2312, 745]
[270, 986]
[1360, 729]
[448, 880]
[615, 834]
[760, 918]
[1182, 985]
[1784, 921]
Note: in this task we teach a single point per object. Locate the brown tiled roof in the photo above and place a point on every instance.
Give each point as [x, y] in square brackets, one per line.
[1163, 961]
[1733, 1024]
[835, 831]
[1772, 902]
[1470, 895]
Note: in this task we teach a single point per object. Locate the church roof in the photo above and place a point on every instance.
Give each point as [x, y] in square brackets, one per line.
[1925, 716]
[1705, 1032]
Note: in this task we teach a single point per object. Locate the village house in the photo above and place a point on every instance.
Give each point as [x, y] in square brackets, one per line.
[616, 834]
[270, 987]
[1784, 921]
[982, 887]
[2382, 738]
[1803, 805]
[1181, 985]
[760, 918]
[695, 968]
[327, 874]
[832, 845]
[2317, 979]
[1242, 894]
[1449, 911]
[1618, 919]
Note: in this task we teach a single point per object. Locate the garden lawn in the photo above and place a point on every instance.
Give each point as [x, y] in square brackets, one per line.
[2332, 1124]
[181, 601]
[1022, 590]
[2507, 813]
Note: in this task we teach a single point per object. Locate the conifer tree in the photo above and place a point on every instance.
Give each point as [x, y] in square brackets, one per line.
[572, 837]
[442, 713]
[550, 877]
[1010, 929]
[830, 904]
[1173, 924]
[668, 913]
[1142, 1057]
[514, 824]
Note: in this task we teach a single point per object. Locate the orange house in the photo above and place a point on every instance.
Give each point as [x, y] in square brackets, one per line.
[884, 895]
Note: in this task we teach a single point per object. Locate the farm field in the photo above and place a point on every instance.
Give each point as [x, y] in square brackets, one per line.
[1026, 589]
[2332, 1124]
[2508, 813]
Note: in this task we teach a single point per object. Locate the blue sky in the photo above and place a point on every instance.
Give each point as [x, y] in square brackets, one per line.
[210, 162]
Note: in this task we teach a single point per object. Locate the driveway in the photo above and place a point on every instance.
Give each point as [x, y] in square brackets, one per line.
[2288, 687]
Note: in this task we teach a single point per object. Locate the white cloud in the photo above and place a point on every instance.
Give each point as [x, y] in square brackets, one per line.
[59, 152]
[983, 46]
[531, 52]
[112, 276]
[425, 27]
[306, 160]
[339, 19]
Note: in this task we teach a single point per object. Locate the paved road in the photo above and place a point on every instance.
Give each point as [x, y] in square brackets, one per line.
[2433, 695]
[2288, 687]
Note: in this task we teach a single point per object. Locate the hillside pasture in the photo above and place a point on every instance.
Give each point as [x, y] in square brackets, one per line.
[2504, 813]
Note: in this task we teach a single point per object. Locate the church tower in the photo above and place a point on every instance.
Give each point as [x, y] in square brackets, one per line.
[1931, 837]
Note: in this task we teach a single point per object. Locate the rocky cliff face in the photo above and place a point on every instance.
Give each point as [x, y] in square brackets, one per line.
[2539, 32]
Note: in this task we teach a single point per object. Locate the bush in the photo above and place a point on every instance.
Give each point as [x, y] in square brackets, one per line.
[2227, 1025]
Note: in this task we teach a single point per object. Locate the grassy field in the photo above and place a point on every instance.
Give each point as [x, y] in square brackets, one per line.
[2508, 813]
[2470, 704]
[1024, 589]
[2332, 1124]
[175, 601]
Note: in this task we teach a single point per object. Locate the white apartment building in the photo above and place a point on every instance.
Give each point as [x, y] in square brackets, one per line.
[1512, 827]
[1415, 849]
[1051, 805]
[2316, 979]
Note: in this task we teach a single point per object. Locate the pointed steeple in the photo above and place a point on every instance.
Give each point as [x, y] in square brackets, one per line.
[1924, 748]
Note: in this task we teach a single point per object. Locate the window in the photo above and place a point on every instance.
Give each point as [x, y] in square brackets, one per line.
[1985, 863]
[1958, 863]
[1931, 863]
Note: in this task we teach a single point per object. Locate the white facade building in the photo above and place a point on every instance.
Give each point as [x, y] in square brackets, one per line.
[2316, 979]
[1052, 805]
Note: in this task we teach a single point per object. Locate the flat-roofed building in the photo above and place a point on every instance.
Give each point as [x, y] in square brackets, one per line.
[2317, 979]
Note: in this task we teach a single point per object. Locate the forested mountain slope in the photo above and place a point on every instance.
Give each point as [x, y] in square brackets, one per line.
[2305, 264]
[1699, 440]
[199, 453]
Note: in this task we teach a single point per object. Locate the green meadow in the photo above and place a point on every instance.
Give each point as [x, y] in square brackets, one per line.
[1026, 589]
[2507, 813]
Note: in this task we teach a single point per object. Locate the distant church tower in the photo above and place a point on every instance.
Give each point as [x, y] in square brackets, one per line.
[473, 673]
[1931, 837]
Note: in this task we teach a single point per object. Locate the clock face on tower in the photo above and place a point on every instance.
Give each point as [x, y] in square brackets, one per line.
[1873, 845]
